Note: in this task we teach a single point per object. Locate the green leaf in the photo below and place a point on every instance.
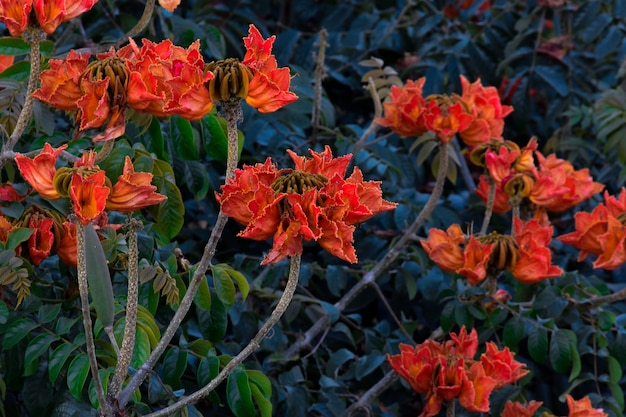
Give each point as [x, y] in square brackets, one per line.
[538, 343]
[261, 380]
[553, 78]
[64, 325]
[618, 393]
[196, 178]
[174, 365]
[560, 351]
[57, 360]
[514, 331]
[98, 277]
[169, 215]
[203, 296]
[16, 72]
[4, 313]
[35, 349]
[239, 395]
[16, 331]
[240, 279]
[156, 139]
[615, 369]
[17, 46]
[17, 236]
[77, 375]
[114, 163]
[48, 312]
[142, 348]
[606, 319]
[576, 364]
[184, 141]
[224, 287]
[215, 137]
[263, 403]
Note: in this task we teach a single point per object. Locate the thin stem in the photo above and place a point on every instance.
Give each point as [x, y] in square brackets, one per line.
[106, 149]
[141, 24]
[320, 73]
[279, 310]
[465, 171]
[450, 408]
[233, 114]
[378, 112]
[382, 265]
[84, 303]
[390, 311]
[34, 38]
[606, 299]
[491, 198]
[380, 387]
[128, 340]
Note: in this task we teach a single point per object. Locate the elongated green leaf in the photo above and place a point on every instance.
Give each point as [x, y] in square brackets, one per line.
[98, 277]
[170, 213]
[184, 141]
[48, 312]
[57, 360]
[17, 331]
[538, 343]
[514, 331]
[35, 349]
[17, 46]
[18, 236]
[142, 347]
[215, 138]
[263, 403]
[16, 72]
[239, 395]
[203, 296]
[174, 365]
[77, 375]
[240, 279]
[156, 139]
[560, 350]
[224, 287]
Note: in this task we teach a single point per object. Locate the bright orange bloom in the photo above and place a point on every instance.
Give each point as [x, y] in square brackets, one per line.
[535, 261]
[14, 14]
[501, 203]
[66, 244]
[60, 85]
[89, 194]
[311, 202]
[5, 229]
[40, 170]
[133, 191]
[6, 61]
[404, 112]
[463, 344]
[477, 387]
[416, 365]
[476, 257]
[512, 409]
[8, 193]
[269, 88]
[446, 119]
[169, 5]
[488, 112]
[40, 242]
[51, 13]
[583, 408]
[500, 365]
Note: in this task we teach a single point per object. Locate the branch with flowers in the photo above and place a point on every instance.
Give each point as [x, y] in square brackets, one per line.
[356, 277]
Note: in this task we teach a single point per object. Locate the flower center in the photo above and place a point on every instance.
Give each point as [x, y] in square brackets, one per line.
[505, 252]
[63, 178]
[231, 79]
[118, 73]
[297, 182]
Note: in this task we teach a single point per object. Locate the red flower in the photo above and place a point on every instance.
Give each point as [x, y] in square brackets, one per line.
[60, 85]
[535, 261]
[404, 112]
[512, 409]
[501, 203]
[583, 408]
[5, 229]
[40, 242]
[169, 5]
[14, 14]
[488, 112]
[500, 365]
[6, 61]
[416, 365]
[66, 244]
[311, 202]
[133, 191]
[447, 118]
[39, 171]
[88, 194]
[8, 193]
[477, 387]
[269, 88]
[51, 13]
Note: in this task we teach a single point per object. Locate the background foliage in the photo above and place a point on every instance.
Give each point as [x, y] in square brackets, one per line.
[561, 69]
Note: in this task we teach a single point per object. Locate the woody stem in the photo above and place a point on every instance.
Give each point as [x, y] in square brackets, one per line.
[128, 340]
[34, 38]
[84, 302]
[491, 197]
[106, 149]
[450, 408]
[233, 114]
[383, 264]
[279, 310]
[610, 298]
[141, 24]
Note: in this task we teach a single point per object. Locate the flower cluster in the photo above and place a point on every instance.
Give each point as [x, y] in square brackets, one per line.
[445, 371]
[577, 408]
[17, 15]
[161, 79]
[87, 186]
[311, 202]
[525, 254]
[549, 184]
[601, 233]
[477, 115]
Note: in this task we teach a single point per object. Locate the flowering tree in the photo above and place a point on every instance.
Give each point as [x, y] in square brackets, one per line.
[453, 225]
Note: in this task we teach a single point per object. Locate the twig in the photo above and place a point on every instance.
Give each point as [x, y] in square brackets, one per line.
[380, 387]
[34, 38]
[605, 299]
[128, 340]
[281, 307]
[199, 274]
[373, 127]
[491, 197]
[84, 302]
[382, 265]
[390, 310]
[320, 73]
[465, 171]
[141, 24]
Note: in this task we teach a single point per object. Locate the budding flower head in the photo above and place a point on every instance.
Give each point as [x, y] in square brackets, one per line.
[231, 79]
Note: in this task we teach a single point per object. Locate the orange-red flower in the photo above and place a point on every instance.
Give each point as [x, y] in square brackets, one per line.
[311, 202]
[488, 112]
[133, 191]
[66, 244]
[500, 365]
[404, 112]
[5, 228]
[88, 193]
[477, 387]
[40, 170]
[49, 14]
[169, 5]
[6, 61]
[583, 408]
[40, 242]
[447, 118]
[416, 364]
[8, 193]
[514, 409]
[269, 88]
[535, 261]
[501, 203]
